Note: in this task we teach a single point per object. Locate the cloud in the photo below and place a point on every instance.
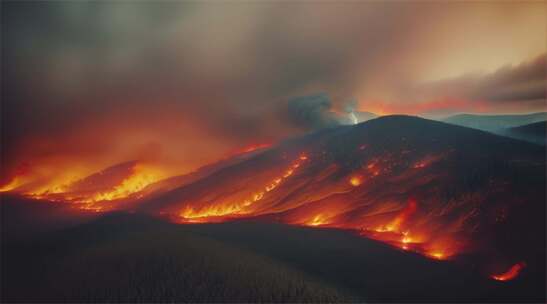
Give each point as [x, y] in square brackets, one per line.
[509, 88]
[524, 82]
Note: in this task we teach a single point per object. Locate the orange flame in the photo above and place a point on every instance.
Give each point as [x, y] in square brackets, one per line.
[63, 189]
[15, 182]
[129, 186]
[511, 273]
[402, 217]
[317, 220]
[356, 180]
[190, 214]
[248, 149]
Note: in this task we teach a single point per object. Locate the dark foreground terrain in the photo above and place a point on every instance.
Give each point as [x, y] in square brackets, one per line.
[62, 256]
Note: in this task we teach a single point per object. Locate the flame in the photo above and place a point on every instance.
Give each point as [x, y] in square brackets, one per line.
[392, 233]
[511, 273]
[248, 149]
[334, 197]
[402, 217]
[317, 220]
[135, 183]
[402, 229]
[190, 214]
[406, 238]
[437, 255]
[15, 182]
[356, 180]
[62, 189]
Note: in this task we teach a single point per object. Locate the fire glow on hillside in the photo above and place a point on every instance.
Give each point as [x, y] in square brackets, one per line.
[394, 227]
[94, 192]
[511, 273]
[296, 186]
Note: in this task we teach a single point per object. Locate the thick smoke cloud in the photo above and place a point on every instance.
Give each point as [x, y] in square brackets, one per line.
[111, 79]
[525, 82]
[513, 87]
[312, 112]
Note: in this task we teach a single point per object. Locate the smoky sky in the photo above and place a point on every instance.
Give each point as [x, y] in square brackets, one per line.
[189, 80]
[312, 112]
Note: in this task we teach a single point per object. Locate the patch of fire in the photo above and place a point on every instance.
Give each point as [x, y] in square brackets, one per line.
[215, 212]
[355, 180]
[510, 273]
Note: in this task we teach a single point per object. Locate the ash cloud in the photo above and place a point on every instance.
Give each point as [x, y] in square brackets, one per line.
[312, 112]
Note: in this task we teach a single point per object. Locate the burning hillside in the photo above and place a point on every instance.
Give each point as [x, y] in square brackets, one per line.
[124, 181]
[442, 191]
[417, 185]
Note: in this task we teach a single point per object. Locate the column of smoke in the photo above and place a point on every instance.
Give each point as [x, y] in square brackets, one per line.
[350, 109]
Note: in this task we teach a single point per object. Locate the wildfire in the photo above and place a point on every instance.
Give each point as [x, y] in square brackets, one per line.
[437, 255]
[417, 241]
[402, 217]
[406, 238]
[356, 180]
[88, 195]
[132, 185]
[355, 203]
[511, 273]
[190, 214]
[248, 149]
[13, 184]
[317, 221]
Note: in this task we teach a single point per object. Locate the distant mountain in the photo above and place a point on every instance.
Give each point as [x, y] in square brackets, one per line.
[534, 132]
[495, 123]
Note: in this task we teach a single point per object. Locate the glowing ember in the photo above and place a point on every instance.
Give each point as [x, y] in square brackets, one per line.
[356, 180]
[437, 255]
[254, 147]
[401, 218]
[406, 239]
[248, 149]
[510, 274]
[317, 220]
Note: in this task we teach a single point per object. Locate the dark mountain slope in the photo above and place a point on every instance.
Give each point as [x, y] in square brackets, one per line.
[130, 258]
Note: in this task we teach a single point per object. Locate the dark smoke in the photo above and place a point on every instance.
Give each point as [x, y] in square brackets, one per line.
[312, 112]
